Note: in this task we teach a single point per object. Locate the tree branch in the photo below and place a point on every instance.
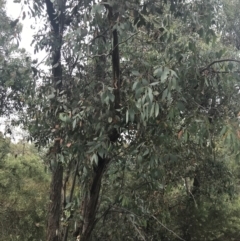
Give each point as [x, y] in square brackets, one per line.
[167, 228]
[219, 61]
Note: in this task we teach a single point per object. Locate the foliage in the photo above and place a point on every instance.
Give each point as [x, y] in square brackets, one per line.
[14, 65]
[23, 192]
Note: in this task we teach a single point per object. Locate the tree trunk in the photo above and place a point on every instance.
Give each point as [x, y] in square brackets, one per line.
[54, 209]
[91, 201]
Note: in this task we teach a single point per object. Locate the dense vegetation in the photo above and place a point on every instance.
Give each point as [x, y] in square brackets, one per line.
[136, 125]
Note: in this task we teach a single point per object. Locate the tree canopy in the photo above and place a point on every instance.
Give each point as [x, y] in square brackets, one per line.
[138, 117]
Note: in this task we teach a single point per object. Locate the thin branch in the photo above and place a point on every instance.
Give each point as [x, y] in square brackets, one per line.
[188, 190]
[167, 228]
[42, 60]
[110, 52]
[219, 61]
[98, 36]
[225, 72]
[127, 39]
[103, 215]
[139, 232]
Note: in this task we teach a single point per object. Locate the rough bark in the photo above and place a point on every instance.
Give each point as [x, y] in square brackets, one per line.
[54, 209]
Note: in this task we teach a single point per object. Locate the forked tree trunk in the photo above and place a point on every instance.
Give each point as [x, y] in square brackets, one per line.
[91, 201]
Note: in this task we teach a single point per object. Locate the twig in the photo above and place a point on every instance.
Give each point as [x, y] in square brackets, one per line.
[42, 60]
[167, 228]
[139, 232]
[127, 39]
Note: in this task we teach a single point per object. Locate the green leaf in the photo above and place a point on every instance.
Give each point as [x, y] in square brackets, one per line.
[127, 115]
[156, 109]
[94, 159]
[152, 110]
[68, 205]
[174, 84]
[135, 72]
[131, 115]
[63, 117]
[74, 124]
[145, 82]
[61, 158]
[150, 94]
[155, 83]
[223, 131]
[109, 119]
[135, 85]
[165, 94]
[165, 74]
[56, 65]
[158, 72]
[51, 96]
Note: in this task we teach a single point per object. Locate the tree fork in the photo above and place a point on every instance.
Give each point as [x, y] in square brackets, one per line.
[91, 203]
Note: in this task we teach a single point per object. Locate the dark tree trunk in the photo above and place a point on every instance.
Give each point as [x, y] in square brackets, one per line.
[54, 209]
[91, 201]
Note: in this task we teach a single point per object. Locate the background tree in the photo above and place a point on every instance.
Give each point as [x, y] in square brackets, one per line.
[23, 189]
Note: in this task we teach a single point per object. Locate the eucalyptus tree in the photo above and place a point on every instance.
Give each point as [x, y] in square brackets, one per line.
[143, 86]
